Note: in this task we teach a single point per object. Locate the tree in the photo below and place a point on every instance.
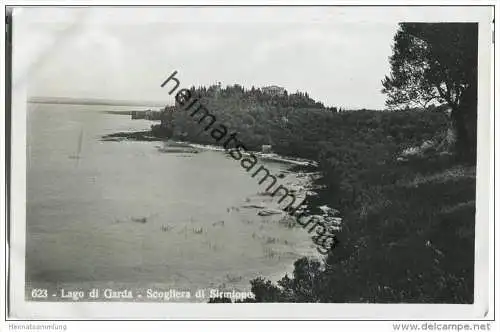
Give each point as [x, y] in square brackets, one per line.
[437, 62]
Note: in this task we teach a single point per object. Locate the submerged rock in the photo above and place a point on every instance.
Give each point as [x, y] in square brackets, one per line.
[254, 206]
[268, 212]
[142, 220]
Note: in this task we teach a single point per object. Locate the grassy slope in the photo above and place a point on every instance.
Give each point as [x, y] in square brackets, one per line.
[410, 238]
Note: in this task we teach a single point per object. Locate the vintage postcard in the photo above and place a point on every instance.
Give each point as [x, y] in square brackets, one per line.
[251, 162]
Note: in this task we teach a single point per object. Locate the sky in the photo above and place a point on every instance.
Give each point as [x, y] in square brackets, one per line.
[338, 55]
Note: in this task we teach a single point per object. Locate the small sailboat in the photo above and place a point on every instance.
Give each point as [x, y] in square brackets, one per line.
[78, 148]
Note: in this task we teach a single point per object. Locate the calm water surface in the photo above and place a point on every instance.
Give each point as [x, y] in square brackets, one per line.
[84, 194]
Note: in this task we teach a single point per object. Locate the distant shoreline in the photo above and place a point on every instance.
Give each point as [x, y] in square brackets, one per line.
[93, 101]
[149, 137]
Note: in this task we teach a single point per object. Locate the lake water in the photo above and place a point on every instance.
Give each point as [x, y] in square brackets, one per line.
[85, 198]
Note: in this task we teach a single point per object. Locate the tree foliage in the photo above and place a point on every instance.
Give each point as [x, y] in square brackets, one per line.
[437, 63]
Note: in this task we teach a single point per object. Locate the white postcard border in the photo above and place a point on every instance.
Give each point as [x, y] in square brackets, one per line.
[84, 310]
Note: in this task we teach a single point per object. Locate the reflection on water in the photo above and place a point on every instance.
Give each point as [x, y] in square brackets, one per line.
[125, 214]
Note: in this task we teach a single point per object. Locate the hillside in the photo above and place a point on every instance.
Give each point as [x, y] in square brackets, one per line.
[408, 233]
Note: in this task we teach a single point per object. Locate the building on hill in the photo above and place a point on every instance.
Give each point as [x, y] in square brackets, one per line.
[274, 90]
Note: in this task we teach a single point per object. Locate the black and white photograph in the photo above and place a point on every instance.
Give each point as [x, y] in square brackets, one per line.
[237, 155]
